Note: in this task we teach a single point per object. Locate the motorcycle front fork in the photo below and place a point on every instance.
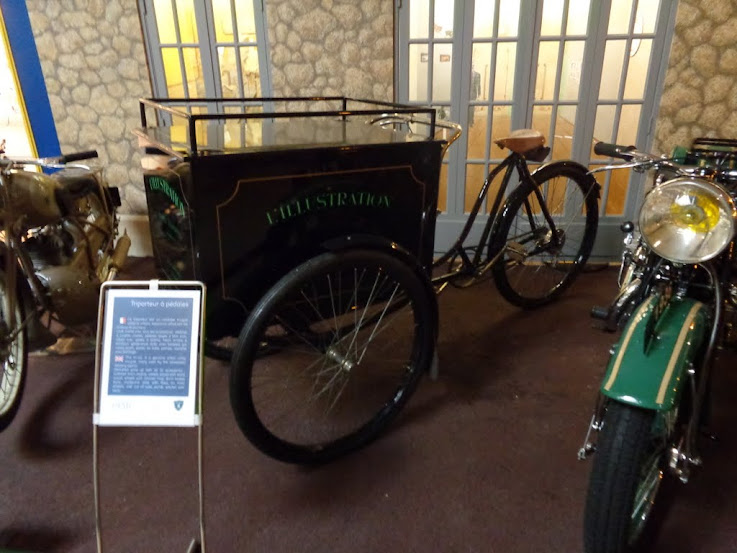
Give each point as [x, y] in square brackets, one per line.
[682, 458]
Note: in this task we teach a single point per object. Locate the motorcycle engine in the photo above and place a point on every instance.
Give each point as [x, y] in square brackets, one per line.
[69, 256]
[50, 247]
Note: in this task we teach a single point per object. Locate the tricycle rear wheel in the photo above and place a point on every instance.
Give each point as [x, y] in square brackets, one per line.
[331, 354]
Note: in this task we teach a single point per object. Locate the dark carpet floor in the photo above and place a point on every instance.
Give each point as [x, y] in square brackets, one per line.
[482, 459]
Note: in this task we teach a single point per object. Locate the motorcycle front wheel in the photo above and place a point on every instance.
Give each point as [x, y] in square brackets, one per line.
[626, 478]
[331, 354]
[13, 353]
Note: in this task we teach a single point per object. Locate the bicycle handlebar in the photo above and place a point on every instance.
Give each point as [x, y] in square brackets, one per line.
[78, 156]
[50, 162]
[642, 161]
[613, 150]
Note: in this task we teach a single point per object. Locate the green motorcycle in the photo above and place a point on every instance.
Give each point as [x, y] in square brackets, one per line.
[675, 301]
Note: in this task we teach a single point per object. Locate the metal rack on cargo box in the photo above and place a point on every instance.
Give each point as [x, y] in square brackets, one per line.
[201, 126]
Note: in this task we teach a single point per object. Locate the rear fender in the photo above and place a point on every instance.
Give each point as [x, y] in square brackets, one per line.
[574, 166]
[649, 363]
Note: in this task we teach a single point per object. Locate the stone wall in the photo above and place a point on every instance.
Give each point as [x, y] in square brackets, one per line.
[700, 97]
[331, 47]
[94, 64]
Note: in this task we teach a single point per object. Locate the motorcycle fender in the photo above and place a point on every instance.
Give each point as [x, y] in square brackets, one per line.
[658, 345]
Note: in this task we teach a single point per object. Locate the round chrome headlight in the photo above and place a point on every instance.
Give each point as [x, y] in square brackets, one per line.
[688, 220]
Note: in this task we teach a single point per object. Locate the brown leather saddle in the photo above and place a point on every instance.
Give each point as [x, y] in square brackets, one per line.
[527, 142]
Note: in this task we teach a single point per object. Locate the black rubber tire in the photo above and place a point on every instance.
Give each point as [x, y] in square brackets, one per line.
[307, 389]
[13, 360]
[532, 272]
[631, 452]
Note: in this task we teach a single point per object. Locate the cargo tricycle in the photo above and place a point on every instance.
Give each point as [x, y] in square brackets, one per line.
[312, 223]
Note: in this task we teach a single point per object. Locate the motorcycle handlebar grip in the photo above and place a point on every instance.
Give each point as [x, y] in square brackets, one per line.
[612, 150]
[78, 156]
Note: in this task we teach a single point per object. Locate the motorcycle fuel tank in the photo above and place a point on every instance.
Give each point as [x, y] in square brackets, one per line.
[34, 195]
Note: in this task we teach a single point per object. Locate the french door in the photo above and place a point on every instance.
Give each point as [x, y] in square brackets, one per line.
[579, 71]
[206, 48]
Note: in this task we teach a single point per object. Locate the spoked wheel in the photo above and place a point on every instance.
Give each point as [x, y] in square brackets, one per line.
[628, 472]
[331, 354]
[538, 262]
[13, 354]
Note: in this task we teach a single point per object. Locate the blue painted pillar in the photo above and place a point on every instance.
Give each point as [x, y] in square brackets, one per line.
[30, 77]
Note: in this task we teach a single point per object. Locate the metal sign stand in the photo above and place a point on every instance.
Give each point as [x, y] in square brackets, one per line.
[145, 300]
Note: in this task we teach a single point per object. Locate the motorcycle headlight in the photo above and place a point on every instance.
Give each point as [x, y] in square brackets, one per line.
[688, 220]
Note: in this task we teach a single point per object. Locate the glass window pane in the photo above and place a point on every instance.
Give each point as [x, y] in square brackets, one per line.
[223, 20]
[480, 62]
[442, 112]
[506, 58]
[477, 131]
[619, 17]
[483, 19]
[578, 17]
[495, 186]
[249, 67]
[634, 86]
[233, 129]
[570, 79]
[443, 27]
[228, 72]
[611, 73]
[552, 17]
[562, 142]
[418, 72]
[508, 18]
[541, 118]
[443, 188]
[629, 120]
[193, 68]
[547, 63]
[419, 18]
[603, 126]
[617, 193]
[501, 127]
[165, 21]
[172, 72]
[246, 21]
[647, 16]
[441, 72]
[475, 175]
[187, 21]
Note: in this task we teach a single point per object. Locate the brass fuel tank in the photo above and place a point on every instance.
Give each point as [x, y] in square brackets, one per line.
[33, 194]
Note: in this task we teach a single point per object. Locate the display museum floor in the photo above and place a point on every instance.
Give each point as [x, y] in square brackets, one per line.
[481, 460]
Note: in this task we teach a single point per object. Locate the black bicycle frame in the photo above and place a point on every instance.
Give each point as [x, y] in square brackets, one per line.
[510, 163]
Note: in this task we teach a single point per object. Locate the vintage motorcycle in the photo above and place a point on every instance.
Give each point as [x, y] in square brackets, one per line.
[58, 244]
[676, 301]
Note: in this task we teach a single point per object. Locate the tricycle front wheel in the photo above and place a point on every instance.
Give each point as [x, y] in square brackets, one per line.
[330, 355]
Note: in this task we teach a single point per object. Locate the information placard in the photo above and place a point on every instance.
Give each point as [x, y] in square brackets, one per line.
[150, 357]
